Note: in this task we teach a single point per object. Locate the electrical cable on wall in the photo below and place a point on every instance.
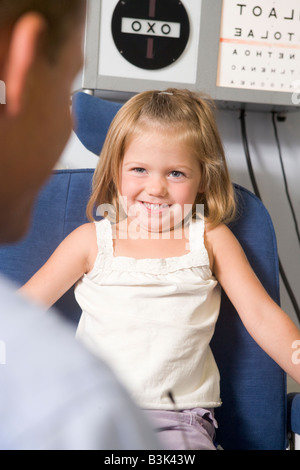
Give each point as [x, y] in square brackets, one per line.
[284, 176]
[257, 193]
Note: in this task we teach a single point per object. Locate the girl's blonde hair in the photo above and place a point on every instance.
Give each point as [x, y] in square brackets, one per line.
[191, 116]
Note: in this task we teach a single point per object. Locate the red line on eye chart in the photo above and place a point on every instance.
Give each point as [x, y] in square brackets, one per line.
[150, 41]
[258, 43]
[150, 44]
[152, 7]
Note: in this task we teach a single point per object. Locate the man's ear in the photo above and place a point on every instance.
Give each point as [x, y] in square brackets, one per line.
[21, 55]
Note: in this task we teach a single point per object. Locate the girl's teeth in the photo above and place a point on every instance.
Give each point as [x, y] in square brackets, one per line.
[155, 207]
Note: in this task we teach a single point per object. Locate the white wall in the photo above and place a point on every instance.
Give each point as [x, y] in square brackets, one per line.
[265, 159]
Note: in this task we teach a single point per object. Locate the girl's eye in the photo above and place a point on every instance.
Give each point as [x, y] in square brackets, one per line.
[176, 174]
[139, 170]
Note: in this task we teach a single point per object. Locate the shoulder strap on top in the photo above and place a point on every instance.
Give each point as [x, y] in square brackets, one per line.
[196, 234]
[104, 236]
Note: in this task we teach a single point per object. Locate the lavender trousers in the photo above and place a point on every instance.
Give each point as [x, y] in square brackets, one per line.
[192, 429]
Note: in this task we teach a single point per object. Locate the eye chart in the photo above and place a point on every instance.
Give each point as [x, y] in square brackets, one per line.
[240, 52]
[147, 40]
[260, 45]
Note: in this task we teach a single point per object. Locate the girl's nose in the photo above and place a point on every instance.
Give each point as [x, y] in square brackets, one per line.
[157, 186]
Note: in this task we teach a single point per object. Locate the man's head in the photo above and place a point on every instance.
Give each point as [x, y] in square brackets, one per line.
[40, 55]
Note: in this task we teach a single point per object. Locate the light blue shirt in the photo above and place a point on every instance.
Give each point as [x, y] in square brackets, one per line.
[53, 394]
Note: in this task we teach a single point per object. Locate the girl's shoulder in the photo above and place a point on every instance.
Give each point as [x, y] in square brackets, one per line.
[218, 236]
[84, 238]
[215, 231]
[84, 231]
[217, 240]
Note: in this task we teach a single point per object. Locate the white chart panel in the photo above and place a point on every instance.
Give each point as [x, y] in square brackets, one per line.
[260, 45]
[182, 69]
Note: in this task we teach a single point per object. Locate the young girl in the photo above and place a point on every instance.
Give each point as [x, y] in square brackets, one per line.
[149, 273]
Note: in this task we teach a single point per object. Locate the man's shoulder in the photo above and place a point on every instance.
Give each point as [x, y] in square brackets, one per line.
[54, 393]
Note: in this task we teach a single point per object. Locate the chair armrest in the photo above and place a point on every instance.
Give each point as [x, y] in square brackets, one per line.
[293, 413]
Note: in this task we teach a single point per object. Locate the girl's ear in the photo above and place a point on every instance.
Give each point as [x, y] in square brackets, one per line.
[22, 54]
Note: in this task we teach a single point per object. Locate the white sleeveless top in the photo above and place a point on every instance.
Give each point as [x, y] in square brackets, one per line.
[152, 320]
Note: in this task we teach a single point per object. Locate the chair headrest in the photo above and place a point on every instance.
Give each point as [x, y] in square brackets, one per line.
[92, 117]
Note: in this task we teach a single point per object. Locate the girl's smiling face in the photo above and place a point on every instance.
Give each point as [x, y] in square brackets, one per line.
[159, 180]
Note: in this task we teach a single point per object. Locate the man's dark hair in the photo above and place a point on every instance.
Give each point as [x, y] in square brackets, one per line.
[60, 15]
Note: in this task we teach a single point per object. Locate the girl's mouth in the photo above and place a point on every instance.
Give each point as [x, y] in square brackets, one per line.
[155, 207]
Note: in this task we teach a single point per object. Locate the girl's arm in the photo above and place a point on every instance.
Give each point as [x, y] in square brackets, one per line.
[266, 322]
[73, 257]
